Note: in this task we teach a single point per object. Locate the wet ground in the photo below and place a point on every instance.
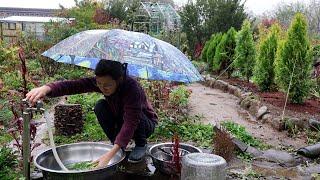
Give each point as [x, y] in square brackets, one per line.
[215, 106]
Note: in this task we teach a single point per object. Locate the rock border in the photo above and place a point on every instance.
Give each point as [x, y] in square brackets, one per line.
[251, 103]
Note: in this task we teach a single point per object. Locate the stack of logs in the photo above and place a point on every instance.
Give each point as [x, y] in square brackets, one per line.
[68, 119]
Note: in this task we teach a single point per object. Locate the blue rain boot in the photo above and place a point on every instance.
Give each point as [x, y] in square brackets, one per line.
[137, 154]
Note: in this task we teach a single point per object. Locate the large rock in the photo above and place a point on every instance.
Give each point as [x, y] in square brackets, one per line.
[314, 124]
[254, 152]
[266, 118]
[262, 111]
[300, 123]
[281, 157]
[274, 170]
[221, 85]
[277, 124]
[232, 89]
[310, 169]
[254, 107]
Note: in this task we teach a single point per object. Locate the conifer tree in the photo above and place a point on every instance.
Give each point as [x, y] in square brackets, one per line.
[212, 49]
[293, 61]
[245, 51]
[264, 68]
[225, 52]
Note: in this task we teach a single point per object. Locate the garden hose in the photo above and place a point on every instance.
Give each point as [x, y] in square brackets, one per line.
[53, 147]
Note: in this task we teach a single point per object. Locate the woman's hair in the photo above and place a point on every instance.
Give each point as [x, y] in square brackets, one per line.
[111, 68]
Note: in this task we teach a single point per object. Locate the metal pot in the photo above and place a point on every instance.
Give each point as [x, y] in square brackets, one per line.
[74, 153]
[162, 160]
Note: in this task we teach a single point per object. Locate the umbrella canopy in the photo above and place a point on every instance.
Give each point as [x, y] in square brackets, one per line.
[147, 57]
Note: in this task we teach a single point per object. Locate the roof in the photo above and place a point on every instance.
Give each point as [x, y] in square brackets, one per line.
[33, 19]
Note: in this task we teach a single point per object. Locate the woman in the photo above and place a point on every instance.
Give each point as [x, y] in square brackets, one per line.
[124, 113]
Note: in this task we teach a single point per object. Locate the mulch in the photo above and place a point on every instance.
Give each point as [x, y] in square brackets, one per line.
[309, 107]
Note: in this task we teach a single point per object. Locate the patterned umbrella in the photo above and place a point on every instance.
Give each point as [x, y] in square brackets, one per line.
[147, 57]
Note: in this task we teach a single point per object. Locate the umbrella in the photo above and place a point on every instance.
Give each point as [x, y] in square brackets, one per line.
[147, 57]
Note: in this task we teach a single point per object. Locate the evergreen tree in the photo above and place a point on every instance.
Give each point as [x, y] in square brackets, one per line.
[293, 62]
[264, 68]
[212, 49]
[205, 49]
[245, 51]
[225, 52]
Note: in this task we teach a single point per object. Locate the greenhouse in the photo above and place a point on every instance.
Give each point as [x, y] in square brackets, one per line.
[156, 17]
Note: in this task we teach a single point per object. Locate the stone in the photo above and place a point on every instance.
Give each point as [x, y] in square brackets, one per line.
[298, 123]
[272, 169]
[211, 83]
[310, 169]
[277, 124]
[281, 157]
[245, 103]
[222, 85]
[314, 124]
[262, 111]
[232, 89]
[254, 152]
[266, 118]
[241, 146]
[254, 106]
[238, 92]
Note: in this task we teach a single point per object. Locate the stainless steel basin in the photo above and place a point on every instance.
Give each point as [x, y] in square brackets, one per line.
[162, 158]
[74, 153]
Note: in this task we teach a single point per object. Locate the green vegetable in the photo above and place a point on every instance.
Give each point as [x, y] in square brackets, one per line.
[86, 165]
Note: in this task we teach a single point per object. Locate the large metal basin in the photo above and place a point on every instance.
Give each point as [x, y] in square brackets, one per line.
[74, 153]
[162, 160]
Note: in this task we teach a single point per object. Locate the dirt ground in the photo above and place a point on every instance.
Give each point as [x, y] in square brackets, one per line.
[276, 100]
[216, 106]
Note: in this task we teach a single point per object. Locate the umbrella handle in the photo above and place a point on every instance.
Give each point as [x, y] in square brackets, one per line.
[125, 66]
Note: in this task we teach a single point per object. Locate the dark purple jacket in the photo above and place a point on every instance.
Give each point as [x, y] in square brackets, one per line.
[129, 100]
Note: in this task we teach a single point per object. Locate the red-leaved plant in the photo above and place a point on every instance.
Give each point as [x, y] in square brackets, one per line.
[16, 124]
[16, 130]
[176, 154]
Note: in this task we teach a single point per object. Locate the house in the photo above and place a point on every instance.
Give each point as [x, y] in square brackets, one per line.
[15, 11]
[13, 26]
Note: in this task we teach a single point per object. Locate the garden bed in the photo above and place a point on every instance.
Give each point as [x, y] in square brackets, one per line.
[276, 100]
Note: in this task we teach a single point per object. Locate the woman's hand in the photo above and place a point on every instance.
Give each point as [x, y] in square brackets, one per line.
[104, 159]
[37, 93]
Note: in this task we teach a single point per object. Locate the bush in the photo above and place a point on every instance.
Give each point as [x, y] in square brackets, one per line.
[264, 68]
[240, 132]
[179, 97]
[205, 49]
[212, 49]
[225, 51]
[8, 164]
[245, 51]
[294, 63]
[201, 66]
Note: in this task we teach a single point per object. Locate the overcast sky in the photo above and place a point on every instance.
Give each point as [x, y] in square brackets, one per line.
[255, 6]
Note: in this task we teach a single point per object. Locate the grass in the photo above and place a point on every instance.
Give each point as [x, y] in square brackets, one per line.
[240, 133]
[199, 133]
[91, 132]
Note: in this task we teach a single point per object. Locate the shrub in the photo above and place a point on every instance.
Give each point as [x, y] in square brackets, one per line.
[225, 51]
[205, 49]
[212, 49]
[264, 68]
[245, 51]
[8, 164]
[293, 61]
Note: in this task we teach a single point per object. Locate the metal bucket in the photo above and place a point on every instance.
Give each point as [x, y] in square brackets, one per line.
[162, 160]
[203, 166]
[74, 153]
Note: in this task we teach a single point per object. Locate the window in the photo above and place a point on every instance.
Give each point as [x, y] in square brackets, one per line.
[12, 26]
[24, 27]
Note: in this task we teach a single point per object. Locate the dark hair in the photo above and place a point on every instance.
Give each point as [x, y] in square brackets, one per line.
[111, 68]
